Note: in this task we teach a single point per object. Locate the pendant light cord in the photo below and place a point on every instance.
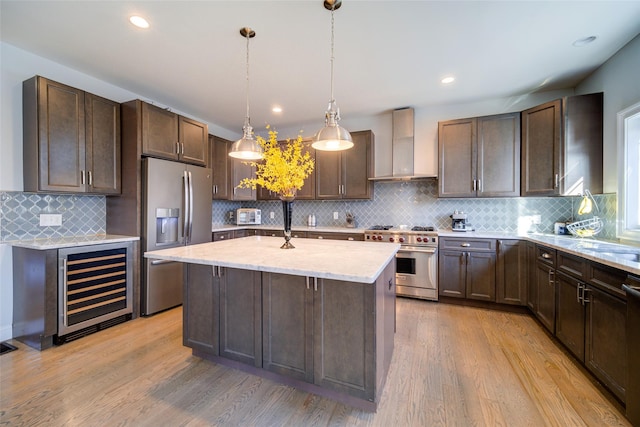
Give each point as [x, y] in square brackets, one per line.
[332, 56]
[247, 77]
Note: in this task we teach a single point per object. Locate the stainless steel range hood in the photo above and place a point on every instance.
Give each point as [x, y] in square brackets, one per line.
[402, 148]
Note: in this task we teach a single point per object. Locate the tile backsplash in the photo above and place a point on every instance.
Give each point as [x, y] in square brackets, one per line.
[20, 215]
[394, 203]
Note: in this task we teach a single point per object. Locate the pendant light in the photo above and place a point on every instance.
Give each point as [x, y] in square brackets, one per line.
[332, 137]
[246, 148]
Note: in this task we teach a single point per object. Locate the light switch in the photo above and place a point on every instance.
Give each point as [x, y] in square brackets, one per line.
[335, 215]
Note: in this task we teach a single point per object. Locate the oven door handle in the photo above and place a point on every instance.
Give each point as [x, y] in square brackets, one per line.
[417, 249]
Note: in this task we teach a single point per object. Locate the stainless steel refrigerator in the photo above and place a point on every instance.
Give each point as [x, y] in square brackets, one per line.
[177, 212]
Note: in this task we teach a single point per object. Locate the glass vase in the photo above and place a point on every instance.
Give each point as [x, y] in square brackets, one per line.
[287, 213]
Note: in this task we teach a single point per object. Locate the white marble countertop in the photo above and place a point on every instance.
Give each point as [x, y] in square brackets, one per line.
[352, 261]
[228, 227]
[72, 241]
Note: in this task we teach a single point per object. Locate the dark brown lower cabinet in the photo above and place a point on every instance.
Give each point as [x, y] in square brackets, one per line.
[532, 288]
[467, 274]
[201, 330]
[511, 272]
[570, 315]
[605, 339]
[546, 295]
[287, 320]
[241, 315]
[305, 337]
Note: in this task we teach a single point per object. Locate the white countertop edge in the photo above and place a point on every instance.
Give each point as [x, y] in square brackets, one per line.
[383, 255]
[71, 241]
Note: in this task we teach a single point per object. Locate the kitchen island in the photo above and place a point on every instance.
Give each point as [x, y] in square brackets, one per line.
[320, 317]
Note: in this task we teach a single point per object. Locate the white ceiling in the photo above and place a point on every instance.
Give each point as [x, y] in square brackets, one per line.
[388, 54]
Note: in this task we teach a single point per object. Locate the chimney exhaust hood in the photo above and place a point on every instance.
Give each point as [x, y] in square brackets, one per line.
[402, 148]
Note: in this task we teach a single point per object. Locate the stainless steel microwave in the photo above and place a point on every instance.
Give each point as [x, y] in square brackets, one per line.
[245, 216]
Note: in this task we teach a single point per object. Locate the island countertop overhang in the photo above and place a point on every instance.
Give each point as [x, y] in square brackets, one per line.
[326, 259]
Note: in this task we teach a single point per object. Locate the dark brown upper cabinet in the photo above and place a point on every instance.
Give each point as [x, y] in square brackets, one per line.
[345, 174]
[168, 135]
[562, 147]
[71, 140]
[219, 149]
[479, 157]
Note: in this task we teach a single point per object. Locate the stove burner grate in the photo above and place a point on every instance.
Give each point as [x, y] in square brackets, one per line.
[420, 228]
[381, 227]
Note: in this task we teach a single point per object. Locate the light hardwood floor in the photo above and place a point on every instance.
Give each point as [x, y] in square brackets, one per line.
[452, 365]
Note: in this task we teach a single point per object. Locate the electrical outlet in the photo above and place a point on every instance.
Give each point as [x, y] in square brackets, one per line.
[272, 215]
[335, 215]
[536, 219]
[49, 220]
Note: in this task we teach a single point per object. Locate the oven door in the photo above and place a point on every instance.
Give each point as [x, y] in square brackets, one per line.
[417, 272]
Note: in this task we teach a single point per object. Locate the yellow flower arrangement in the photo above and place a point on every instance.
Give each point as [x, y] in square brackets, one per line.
[283, 168]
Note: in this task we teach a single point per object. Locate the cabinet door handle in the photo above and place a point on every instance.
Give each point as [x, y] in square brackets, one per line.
[465, 245]
[82, 177]
[579, 292]
[557, 180]
[551, 277]
[177, 148]
[307, 279]
[474, 185]
[479, 185]
[584, 293]
[315, 284]
[90, 178]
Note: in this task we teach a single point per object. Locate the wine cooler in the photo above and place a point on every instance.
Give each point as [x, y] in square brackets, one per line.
[95, 288]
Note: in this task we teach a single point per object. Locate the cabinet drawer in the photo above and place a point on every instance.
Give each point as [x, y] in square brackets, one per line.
[454, 243]
[606, 278]
[222, 235]
[335, 236]
[546, 255]
[571, 265]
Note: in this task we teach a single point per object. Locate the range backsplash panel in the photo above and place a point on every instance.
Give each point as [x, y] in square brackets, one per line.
[394, 203]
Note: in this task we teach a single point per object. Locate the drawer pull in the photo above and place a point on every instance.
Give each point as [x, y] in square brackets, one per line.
[465, 245]
[546, 256]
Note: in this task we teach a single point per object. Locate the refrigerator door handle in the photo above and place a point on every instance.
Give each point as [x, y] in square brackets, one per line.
[185, 210]
[190, 206]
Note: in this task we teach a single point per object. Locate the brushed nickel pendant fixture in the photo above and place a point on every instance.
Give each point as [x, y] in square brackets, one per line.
[246, 148]
[332, 137]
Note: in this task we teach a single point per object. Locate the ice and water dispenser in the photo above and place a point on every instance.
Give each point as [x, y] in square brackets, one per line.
[167, 225]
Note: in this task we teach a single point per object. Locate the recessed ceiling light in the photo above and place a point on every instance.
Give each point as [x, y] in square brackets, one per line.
[277, 109]
[585, 41]
[139, 21]
[448, 80]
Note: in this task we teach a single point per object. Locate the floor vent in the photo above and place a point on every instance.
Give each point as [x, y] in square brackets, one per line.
[59, 340]
[6, 348]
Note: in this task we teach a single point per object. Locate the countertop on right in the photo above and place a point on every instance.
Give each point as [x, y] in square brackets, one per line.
[617, 255]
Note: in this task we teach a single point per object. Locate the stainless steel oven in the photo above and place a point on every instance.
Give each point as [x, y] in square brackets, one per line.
[416, 261]
[417, 272]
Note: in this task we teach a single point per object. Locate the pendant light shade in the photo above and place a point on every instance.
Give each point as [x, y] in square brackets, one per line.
[246, 148]
[332, 137]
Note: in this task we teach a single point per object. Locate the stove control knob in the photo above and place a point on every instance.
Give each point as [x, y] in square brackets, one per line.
[419, 239]
[379, 237]
[401, 239]
[391, 239]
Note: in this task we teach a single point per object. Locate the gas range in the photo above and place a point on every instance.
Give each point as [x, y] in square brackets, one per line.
[414, 236]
